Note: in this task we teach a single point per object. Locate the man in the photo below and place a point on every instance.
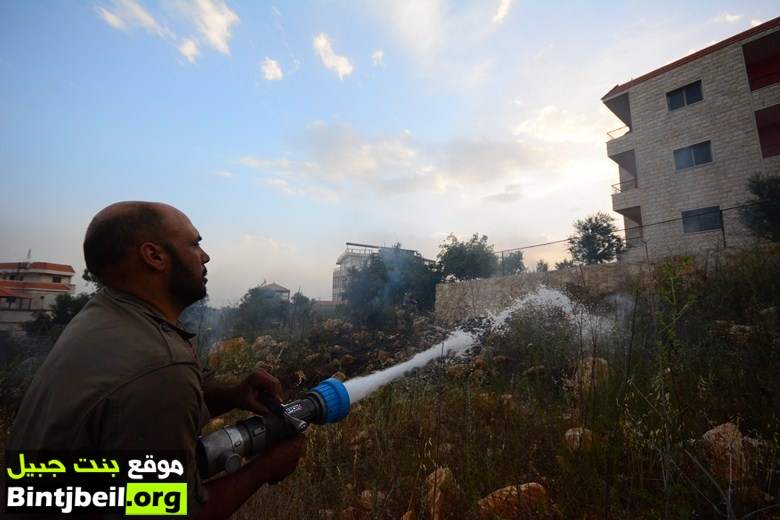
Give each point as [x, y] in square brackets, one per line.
[124, 376]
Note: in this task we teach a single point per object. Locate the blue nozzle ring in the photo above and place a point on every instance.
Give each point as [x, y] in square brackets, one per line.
[335, 397]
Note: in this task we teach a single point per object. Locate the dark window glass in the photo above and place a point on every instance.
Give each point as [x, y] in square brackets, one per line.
[675, 99]
[56, 279]
[686, 95]
[703, 219]
[693, 93]
[683, 158]
[702, 153]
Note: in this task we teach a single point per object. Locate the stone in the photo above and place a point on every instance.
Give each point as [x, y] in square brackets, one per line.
[441, 492]
[724, 445]
[341, 376]
[577, 439]
[527, 500]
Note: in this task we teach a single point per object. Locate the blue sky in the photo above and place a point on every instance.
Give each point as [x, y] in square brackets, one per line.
[286, 129]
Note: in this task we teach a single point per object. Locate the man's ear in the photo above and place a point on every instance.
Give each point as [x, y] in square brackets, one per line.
[154, 256]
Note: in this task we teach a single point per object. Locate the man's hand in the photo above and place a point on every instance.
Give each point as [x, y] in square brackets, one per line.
[222, 396]
[247, 393]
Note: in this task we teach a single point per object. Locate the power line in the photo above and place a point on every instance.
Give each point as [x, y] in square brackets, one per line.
[642, 226]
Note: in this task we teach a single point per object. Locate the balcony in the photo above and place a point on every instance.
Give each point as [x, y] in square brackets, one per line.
[621, 140]
[625, 194]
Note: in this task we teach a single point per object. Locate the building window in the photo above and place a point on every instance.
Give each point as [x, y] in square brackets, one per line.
[56, 279]
[762, 61]
[768, 125]
[686, 95]
[691, 156]
[703, 219]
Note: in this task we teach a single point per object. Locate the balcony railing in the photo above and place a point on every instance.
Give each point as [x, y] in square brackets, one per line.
[618, 132]
[620, 187]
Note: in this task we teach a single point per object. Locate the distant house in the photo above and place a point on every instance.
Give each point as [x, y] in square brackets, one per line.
[27, 287]
[695, 131]
[282, 292]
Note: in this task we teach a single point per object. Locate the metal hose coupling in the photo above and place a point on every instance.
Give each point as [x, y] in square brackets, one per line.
[225, 449]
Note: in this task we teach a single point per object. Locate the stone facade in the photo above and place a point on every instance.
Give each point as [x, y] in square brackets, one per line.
[652, 190]
[463, 300]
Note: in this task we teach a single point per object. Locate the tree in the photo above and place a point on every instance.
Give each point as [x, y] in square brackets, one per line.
[542, 266]
[93, 279]
[51, 322]
[259, 311]
[512, 263]
[301, 309]
[394, 278]
[595, 240]
[564, 264]
[467, 260]
[762, 216]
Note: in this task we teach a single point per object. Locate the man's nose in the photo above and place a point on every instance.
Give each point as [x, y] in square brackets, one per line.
[205, 258]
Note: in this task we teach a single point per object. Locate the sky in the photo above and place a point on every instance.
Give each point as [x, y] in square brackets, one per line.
[284, 130]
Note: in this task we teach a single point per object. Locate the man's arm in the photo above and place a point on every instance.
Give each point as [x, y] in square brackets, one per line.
[226, 494]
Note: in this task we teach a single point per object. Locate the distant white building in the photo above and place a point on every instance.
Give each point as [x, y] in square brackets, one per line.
[282, 292]
[354, 256]
[27, 287]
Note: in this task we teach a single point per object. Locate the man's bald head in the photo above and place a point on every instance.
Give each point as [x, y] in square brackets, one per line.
[119, 229]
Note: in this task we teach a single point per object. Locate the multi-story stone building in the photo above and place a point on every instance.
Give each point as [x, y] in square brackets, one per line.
[27, 287]
[695, 131]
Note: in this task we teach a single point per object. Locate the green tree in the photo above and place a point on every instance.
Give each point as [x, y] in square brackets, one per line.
[762, 216]
[595, 240]
[467, 260]
[260, 311]
[512, 263]
[542, 266]
[301, 310]
[51, 322]
[564, 264]
[92, 279]
[394, 278]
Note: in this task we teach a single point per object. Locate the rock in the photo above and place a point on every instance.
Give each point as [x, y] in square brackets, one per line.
[456, 370]
[577, 439]
[725, 449]
[536, 369]
[371, 500]
[525, 501]
[441, 493]
[341, 376]
[590, 374]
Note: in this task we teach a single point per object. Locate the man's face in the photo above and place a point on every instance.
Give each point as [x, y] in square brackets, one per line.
[188, 259]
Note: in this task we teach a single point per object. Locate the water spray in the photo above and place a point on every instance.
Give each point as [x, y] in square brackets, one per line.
[329, 401]
[225, 449]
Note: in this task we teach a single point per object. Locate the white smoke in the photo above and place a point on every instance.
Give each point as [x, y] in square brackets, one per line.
[459, 341]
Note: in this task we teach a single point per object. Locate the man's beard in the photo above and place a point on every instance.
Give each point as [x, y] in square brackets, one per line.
[186, 287]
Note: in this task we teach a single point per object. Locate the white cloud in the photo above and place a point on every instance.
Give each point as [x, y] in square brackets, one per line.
[214, 20]
[271, 69]
[126, 14]
[224, 173]
[755, 22]
[727, 18]
[555, 125]
[502, 11]
[189, 49]
[378, 57]
[340, 64]
[274, 165]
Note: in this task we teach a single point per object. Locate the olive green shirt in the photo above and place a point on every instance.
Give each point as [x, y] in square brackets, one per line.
[120, 377]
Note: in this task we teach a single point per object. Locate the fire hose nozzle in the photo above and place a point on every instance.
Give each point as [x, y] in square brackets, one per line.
[224, 449]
